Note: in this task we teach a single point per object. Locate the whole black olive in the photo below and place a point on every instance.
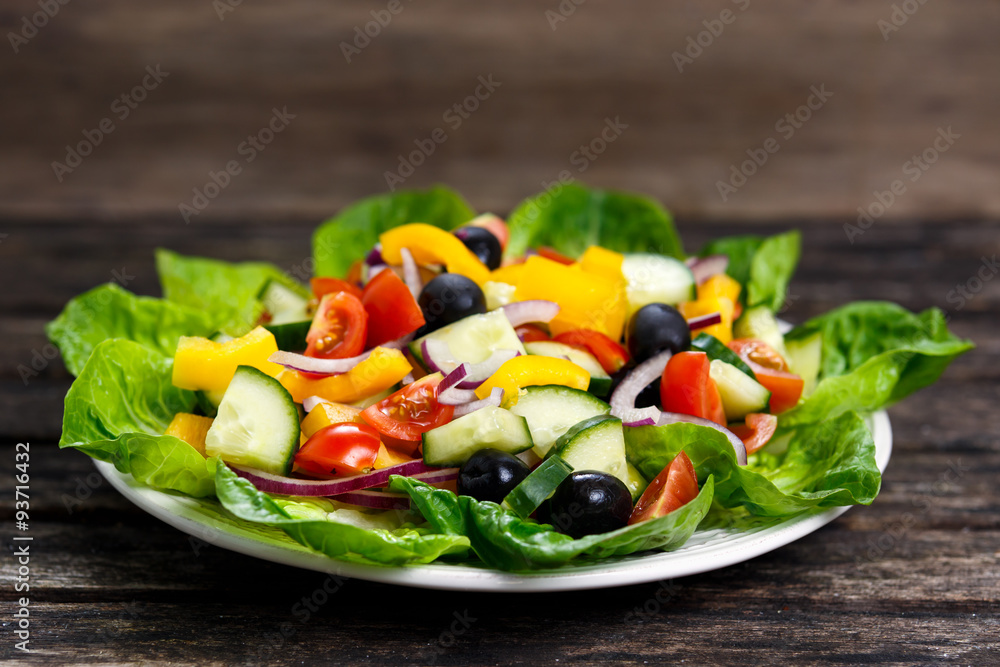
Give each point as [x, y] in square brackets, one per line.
[491, 474]
[448, 298]
[483, 245]
[589, 502]
[657, 327]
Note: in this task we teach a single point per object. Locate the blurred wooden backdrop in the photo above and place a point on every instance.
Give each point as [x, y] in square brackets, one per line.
[230, 64]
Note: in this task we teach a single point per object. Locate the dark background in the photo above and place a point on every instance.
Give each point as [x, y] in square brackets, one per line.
[911, 579]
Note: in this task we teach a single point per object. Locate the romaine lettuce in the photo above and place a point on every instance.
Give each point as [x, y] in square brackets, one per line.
[763, 265]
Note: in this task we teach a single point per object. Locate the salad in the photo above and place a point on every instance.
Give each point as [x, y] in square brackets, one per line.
[567, 384]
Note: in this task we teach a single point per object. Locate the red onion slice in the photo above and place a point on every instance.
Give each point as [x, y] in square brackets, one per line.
[290, 486]
[451, 379]
[703, 321]
[304, 364]
[534, 310]
[411, 273]
[311, 402]
[705, 267]
[377, 500]
[456, 396]
[675, 417]
[647, 421]
[493, 400]
[374, 257]
[438, 357]
[623, 398]
[438, 476]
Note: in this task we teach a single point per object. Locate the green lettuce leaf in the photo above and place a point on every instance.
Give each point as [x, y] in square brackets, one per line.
[571, 218]
[828, 464]
[227, 291]
[352, 233]
[307, 525]
[119, 406]
[503, 540]
[764, 266]
[109, 311]
[874, 354]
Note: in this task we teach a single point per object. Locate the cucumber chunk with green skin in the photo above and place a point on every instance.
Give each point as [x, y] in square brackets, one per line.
[290, 336]
[760, 323]
[740, 394]
[635, 482]
[716, 349]
[473, 339]
[283, 304]
[553, 409]
[208, 401]
[527, 496]
[600, 382]
[804, 358]
[651, 278]
[257, 424]
[597, 443]
[496, 428]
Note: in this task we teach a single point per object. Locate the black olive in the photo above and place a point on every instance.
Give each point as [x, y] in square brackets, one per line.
[657, 327]
[491, 474]
[589, 502]
[483, 245]
[448, 298]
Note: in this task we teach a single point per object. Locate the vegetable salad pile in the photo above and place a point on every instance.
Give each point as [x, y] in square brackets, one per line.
[566, 384]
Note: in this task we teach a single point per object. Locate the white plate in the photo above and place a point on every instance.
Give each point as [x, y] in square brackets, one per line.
[706, 550]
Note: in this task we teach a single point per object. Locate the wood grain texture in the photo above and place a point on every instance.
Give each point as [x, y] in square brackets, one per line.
[911, 579]
[557, 87]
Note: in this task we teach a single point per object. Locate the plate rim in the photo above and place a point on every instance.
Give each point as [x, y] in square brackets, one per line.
[441, 576]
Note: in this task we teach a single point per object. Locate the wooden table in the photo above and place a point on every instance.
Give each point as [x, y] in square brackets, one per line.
[911, 579]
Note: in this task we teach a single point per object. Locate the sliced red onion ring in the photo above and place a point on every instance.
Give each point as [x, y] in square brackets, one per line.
[648, 421]
[374, 271]
[411, 273]
[623, 398]
[311, 402]
[290, 486]
[494, 400]
[705, 267]
[451, 379]
[438, 358]
[377, 500]
[304, 364]
[703, 321]
[438, 476]
[407, 379]
[374, 257]
[676, 417]
[534, 310]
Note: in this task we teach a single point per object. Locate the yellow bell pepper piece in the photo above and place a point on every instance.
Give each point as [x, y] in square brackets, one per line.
[507, 274]
[200, 363]
[586, 300]
[718, 304]
[191, 429]
[382, 369]
[529, 370]
[389, 457]
[326, 414]
[720, 285]
[603, 262]
[432, 245]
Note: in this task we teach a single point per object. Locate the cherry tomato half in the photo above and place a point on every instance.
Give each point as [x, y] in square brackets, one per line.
[771, 371]
[687, 388]
[531, 333]
[392, 310]
[411, 411]
[756, 431]
[324, 285]
[345, 448]
[338, 328]
[609, 353]
[675, 486]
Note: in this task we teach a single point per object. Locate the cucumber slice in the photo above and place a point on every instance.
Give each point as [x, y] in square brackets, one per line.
[208, 401]
[453, 443]
[715, 349]
[283, 303]
[759, 322]
[552, 409]
[600, 382]
[651, 278]
[257, 424]
[740, 394]
[804, 358]
[498, 294]
[290, 336]
[635, 482]
[475, 338]
[598, 444]
[527, 496]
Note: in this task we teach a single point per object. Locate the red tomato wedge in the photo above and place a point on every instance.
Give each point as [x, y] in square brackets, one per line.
[323, 286]
[609, 353]
[411, 411]
[771, 371]
[354, 272]
[555, 255]
[392, 310]
[674, 487]
[495, 226]
[687, 388]
[757, 430]
[338, 328]
[345, 448]
[531, 333]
